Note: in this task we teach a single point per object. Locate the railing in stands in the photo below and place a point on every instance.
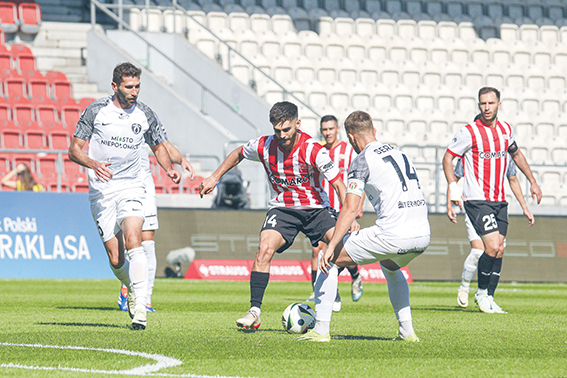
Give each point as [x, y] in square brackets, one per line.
[106, 8]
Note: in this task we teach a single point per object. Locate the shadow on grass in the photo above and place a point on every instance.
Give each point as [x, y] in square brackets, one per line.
[242, 330]
[367, 338]
[84, 325]
[90, 308]
[444, 308]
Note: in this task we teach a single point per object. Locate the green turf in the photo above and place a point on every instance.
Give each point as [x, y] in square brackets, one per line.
[195, 323]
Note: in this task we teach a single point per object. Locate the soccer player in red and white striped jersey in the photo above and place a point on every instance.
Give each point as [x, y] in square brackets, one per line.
[341, 153]
[294, 163]
[485, 145]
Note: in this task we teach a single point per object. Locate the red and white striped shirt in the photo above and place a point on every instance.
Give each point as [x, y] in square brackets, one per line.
[295, 177]
[485, 151]
[342, 155]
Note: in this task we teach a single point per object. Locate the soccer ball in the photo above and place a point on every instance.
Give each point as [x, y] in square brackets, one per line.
[298, 318]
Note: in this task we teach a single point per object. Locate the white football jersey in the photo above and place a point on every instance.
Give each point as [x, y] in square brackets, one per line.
[390, 181]
[117, 136]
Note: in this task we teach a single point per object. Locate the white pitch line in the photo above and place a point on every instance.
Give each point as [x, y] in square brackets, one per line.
[163, 362]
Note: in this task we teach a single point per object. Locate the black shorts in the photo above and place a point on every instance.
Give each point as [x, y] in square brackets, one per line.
[314, 223]
[488, 216]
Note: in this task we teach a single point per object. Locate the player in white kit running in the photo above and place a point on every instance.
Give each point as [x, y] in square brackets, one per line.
[117, 128]
[401, 232]
[151, 223]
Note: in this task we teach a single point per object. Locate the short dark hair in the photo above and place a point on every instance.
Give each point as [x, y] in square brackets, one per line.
[125, 69]
[328, 118]
[283, 111]
[485, 90]
[357, 122]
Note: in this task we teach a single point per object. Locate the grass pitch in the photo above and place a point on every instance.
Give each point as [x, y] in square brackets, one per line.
[195, 326]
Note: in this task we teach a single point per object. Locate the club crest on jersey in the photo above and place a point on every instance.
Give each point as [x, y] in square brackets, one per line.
[136, 128]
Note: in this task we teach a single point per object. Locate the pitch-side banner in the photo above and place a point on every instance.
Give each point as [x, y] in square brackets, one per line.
[280, 270]
[49, 235]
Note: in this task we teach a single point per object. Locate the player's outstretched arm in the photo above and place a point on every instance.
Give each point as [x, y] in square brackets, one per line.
[232, 160]
[177, 158]
[164, 161]
[346, 218]
[517, 190]
[340, 188]
[77, 155]
[455, 193]
[522, 163]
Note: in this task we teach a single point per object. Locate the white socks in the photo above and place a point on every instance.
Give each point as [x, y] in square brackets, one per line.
[398, 291]
[122, 273]
[139, 275]
[470, 266]
[325, 293]
[150, 250]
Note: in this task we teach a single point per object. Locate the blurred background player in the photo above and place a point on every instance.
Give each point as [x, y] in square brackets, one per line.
[477, 248]
[151, 220]
[117, 128]
[341, 153]
[401, 232]
[485, 145]
[294, 163]
[24, 179]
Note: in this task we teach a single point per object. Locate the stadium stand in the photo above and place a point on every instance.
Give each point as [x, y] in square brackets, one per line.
[415, 65]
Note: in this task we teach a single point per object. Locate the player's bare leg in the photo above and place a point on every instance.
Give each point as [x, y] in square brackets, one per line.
[270, 242]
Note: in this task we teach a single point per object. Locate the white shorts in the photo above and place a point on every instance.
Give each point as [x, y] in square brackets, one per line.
[471, 231]
[150, 205]
[109, 211]
[368, 245]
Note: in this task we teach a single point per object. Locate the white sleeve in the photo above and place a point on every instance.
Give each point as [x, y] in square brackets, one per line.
[250, 150]
[461, 143]
[326, 166]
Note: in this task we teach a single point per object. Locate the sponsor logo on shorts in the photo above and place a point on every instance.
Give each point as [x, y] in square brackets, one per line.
[406, 204]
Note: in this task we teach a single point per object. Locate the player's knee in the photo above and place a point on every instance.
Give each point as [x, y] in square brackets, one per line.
[265, 253]
[133, 240]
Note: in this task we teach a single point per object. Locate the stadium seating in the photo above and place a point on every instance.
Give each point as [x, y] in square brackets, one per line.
[9, 21]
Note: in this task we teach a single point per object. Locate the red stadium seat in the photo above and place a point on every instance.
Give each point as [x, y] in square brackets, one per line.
[2, 36]
[70, 115]
[5, 163]
[5, 58]
[60, 85]
[23, 56]
[58, 138]
[38, 87]
[46, 113]
[8, 17]
[85, 101]
[47, 166]
[51, 186]
[81, 186]
[65, 101]
[22, 111]
[5, 109]
[35, 136]
[72, 170]
[30, 18]
[15, 86]
[11, 136]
